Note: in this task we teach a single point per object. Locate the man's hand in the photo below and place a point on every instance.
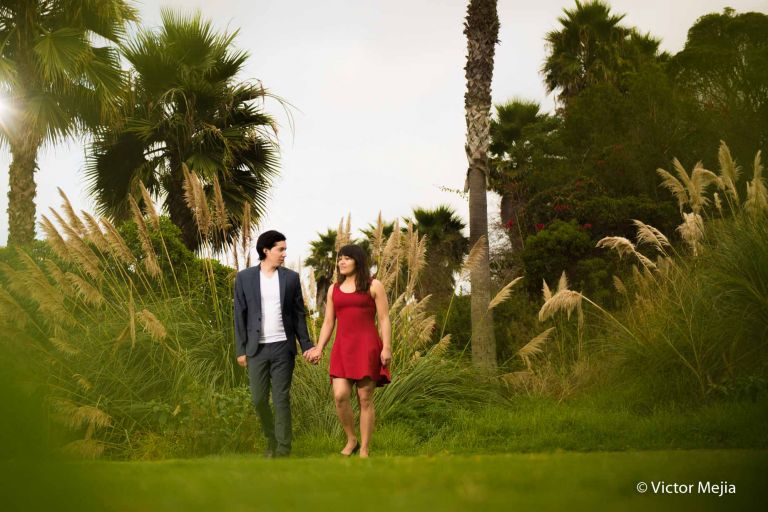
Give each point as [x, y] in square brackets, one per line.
[313, 355]
[241, 361]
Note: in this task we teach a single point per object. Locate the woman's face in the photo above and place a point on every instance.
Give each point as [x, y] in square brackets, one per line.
[346, 265]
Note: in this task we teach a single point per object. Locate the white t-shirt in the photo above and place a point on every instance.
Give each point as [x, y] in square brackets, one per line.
[272, 329]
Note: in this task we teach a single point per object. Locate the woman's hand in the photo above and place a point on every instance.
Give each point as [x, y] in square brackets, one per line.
[386, 357]
[313, 355]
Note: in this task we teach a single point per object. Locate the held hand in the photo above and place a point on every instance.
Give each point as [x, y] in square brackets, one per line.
[311, 355]
[386, 357]
[241, 361]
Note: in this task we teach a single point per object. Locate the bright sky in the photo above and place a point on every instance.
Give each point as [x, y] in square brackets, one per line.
[378, 90]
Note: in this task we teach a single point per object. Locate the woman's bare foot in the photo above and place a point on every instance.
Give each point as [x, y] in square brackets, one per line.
[363, 453]
[351, 447]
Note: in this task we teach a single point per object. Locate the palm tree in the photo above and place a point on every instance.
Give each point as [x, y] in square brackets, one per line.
[481, 28]
[510, 156]
[185, 109]
[322, 259]
[446, 248]
[57, 83]
[591, 47]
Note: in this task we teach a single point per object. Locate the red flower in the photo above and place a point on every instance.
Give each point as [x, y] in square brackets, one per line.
[561, 207]
[539, 226]
[587, 225]
[510, 224]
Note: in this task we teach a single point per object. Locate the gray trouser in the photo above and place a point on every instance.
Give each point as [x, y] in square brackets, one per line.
[272, 366]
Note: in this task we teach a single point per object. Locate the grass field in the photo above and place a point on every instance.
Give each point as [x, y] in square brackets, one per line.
[540, 481]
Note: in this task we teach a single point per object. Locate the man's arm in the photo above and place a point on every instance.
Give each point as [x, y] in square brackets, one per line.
[241, 310]
[301, 318]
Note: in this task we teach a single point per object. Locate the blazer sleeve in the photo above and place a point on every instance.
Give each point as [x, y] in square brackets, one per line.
[301, 318]
[241, 312]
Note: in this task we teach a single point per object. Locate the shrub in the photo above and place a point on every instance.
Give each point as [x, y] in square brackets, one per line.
[556, 248]
[601, 215]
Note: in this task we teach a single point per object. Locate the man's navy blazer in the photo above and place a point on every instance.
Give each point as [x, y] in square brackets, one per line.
[248, 323]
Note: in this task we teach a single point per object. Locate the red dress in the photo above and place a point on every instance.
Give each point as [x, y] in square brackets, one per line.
[356, 351]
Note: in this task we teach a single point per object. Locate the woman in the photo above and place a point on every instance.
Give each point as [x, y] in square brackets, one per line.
[360, 357]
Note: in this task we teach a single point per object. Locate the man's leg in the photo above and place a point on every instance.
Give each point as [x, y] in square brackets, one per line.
[258, 376]
[282, 373]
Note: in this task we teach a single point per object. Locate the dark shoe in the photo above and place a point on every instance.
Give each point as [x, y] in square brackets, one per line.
[282, 455]
[354, 450]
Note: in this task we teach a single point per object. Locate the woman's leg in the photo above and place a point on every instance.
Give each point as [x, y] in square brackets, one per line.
[342, 394]
[365, 388]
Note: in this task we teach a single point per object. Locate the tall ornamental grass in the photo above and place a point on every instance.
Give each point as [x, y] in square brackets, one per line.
[695, 321]
[424, 378]
[131, 344]
[114, 343]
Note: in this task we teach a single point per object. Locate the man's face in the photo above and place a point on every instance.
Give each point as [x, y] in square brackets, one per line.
[276, 255]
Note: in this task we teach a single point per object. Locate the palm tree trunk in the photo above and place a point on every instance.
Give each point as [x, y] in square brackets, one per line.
[482, 29]
[22, 189]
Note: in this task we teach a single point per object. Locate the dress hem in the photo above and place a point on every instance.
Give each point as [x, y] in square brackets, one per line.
[382, 381]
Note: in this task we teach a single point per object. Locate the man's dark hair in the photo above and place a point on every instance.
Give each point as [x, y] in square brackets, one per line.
[267, 240]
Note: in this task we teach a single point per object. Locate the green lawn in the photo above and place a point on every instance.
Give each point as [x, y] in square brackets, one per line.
[535, 481]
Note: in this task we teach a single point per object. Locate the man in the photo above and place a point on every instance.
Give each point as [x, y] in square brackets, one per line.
[269, 317]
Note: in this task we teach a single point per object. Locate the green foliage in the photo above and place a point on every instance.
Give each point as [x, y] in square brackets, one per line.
[322, 259]
[608, 215]
[591, 47]
[724, 66]
[514, 323]
[455, 319]
[507, 129]
[29, 457]
[446, 248]
[589, 204]
[118, 345]
[703, 323]
[141, 364]
[59, 79]
[527, 151]
[166, 240]
[556, 248]
[202, 423]
[186, 108]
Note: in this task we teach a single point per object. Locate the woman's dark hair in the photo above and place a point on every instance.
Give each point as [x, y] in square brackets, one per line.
[362, 270]
[267, 240]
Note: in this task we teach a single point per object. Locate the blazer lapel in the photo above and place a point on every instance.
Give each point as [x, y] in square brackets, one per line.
[257, 286]
[281, 277]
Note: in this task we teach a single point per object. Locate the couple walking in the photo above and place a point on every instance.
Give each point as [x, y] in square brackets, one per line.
[270, 317]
